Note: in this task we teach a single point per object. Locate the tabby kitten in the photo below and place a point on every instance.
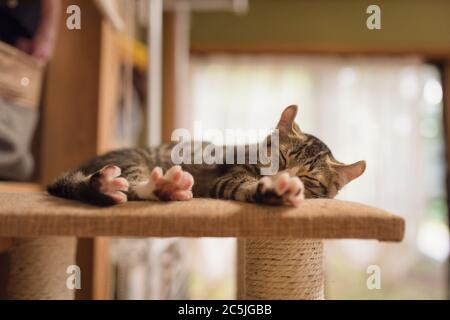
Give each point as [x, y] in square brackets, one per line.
[307, 170]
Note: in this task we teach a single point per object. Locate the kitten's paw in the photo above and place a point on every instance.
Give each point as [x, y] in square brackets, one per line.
[280, 189]
[107, 182]
[175, 185]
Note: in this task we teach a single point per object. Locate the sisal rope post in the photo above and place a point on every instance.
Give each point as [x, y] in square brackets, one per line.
[37, 268]
[280, 269]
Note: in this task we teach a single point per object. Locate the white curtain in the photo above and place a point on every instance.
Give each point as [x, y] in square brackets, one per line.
[386, 111]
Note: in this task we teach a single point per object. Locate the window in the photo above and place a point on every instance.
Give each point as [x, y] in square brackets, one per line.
[387, 111]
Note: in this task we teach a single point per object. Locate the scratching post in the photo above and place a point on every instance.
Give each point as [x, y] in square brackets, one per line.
[37, 268]
[280, 269]
[280, 248]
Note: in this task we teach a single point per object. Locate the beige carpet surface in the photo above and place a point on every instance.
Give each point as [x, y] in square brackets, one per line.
[39, 214]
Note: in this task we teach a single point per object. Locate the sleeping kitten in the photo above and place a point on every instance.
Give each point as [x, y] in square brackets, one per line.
[307, 170]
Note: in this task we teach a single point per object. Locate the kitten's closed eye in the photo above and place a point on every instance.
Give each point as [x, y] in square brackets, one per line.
[312, 160]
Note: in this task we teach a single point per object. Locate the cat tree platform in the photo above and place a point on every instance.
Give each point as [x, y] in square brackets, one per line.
[280, 248]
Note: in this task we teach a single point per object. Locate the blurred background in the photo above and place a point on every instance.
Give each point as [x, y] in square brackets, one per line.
[138, 69]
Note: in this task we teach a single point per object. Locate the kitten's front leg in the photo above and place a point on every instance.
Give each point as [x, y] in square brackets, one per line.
[240, 184]
[174, 185]
[280, 189]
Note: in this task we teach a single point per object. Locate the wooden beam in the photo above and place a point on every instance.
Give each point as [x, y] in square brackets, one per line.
[176, 56]
[110, 10]
[101, 283]
[71, 99]
[78, 120]
[93, 258]
[444, 67]
[169, 81]
[442, 51]
[108, 93]
[5, 244]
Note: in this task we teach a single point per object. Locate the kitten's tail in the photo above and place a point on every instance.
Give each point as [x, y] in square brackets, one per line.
[76, 186]
[68, 185]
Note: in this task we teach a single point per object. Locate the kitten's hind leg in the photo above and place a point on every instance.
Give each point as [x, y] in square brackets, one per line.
[174, 185]
[103, 188]
[107, 181]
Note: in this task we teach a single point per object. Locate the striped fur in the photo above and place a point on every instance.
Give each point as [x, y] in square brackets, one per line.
[300, 154]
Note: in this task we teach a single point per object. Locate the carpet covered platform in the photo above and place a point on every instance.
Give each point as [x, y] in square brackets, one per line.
[280, 249]
[39, 214]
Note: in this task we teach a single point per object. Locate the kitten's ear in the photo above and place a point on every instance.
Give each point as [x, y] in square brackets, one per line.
[286, 124]
[349, 172]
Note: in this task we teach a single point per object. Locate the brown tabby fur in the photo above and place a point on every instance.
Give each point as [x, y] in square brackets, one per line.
[301, 154]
